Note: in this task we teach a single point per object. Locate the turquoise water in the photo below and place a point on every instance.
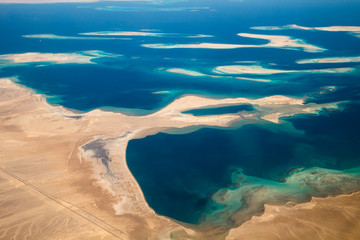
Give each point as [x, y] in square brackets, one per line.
[207, 165]
[199, 164]
[129, 81]
[219, 110]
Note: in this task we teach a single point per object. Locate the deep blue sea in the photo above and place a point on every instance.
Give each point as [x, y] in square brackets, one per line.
[198, 164]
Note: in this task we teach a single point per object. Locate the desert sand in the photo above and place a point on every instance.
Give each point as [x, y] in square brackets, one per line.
[329, 218]
[63, 175]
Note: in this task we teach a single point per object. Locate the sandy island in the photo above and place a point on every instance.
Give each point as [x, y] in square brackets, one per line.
[64, 174]
[274, 41]
[255, 69]
[125, 33]
[354, 30]
[187, 72]
[330, 60]
[82, 57]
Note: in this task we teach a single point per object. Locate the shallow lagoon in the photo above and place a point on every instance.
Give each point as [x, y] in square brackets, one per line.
[179, 173]
[219, 110]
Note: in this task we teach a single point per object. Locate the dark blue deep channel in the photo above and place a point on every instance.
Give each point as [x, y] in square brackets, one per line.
[179, 173]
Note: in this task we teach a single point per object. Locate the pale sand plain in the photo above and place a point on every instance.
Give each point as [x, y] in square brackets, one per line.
[64, 174]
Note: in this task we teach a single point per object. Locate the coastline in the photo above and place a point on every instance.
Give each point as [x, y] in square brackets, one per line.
[47, 147]
[335, 217]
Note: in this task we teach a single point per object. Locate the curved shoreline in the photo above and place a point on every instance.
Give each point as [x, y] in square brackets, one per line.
[305, 220]
[27, 120]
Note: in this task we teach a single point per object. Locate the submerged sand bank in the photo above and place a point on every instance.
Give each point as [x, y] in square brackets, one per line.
[71, 168]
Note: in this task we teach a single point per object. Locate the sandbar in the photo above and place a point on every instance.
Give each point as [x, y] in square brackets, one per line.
[197, 45]
[254, 79]
[355, 30]
[193, 73]
[329, 218]
[143, 34]
[46, 57]
[187, 72]
[278, 41]
[83, 57]
[124, 33]
[255, 69]
[275, 41]
[161, 92]
[329, 60]
[58, 37]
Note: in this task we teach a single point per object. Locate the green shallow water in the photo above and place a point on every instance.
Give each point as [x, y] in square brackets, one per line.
[220, 110]
[224, 176]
